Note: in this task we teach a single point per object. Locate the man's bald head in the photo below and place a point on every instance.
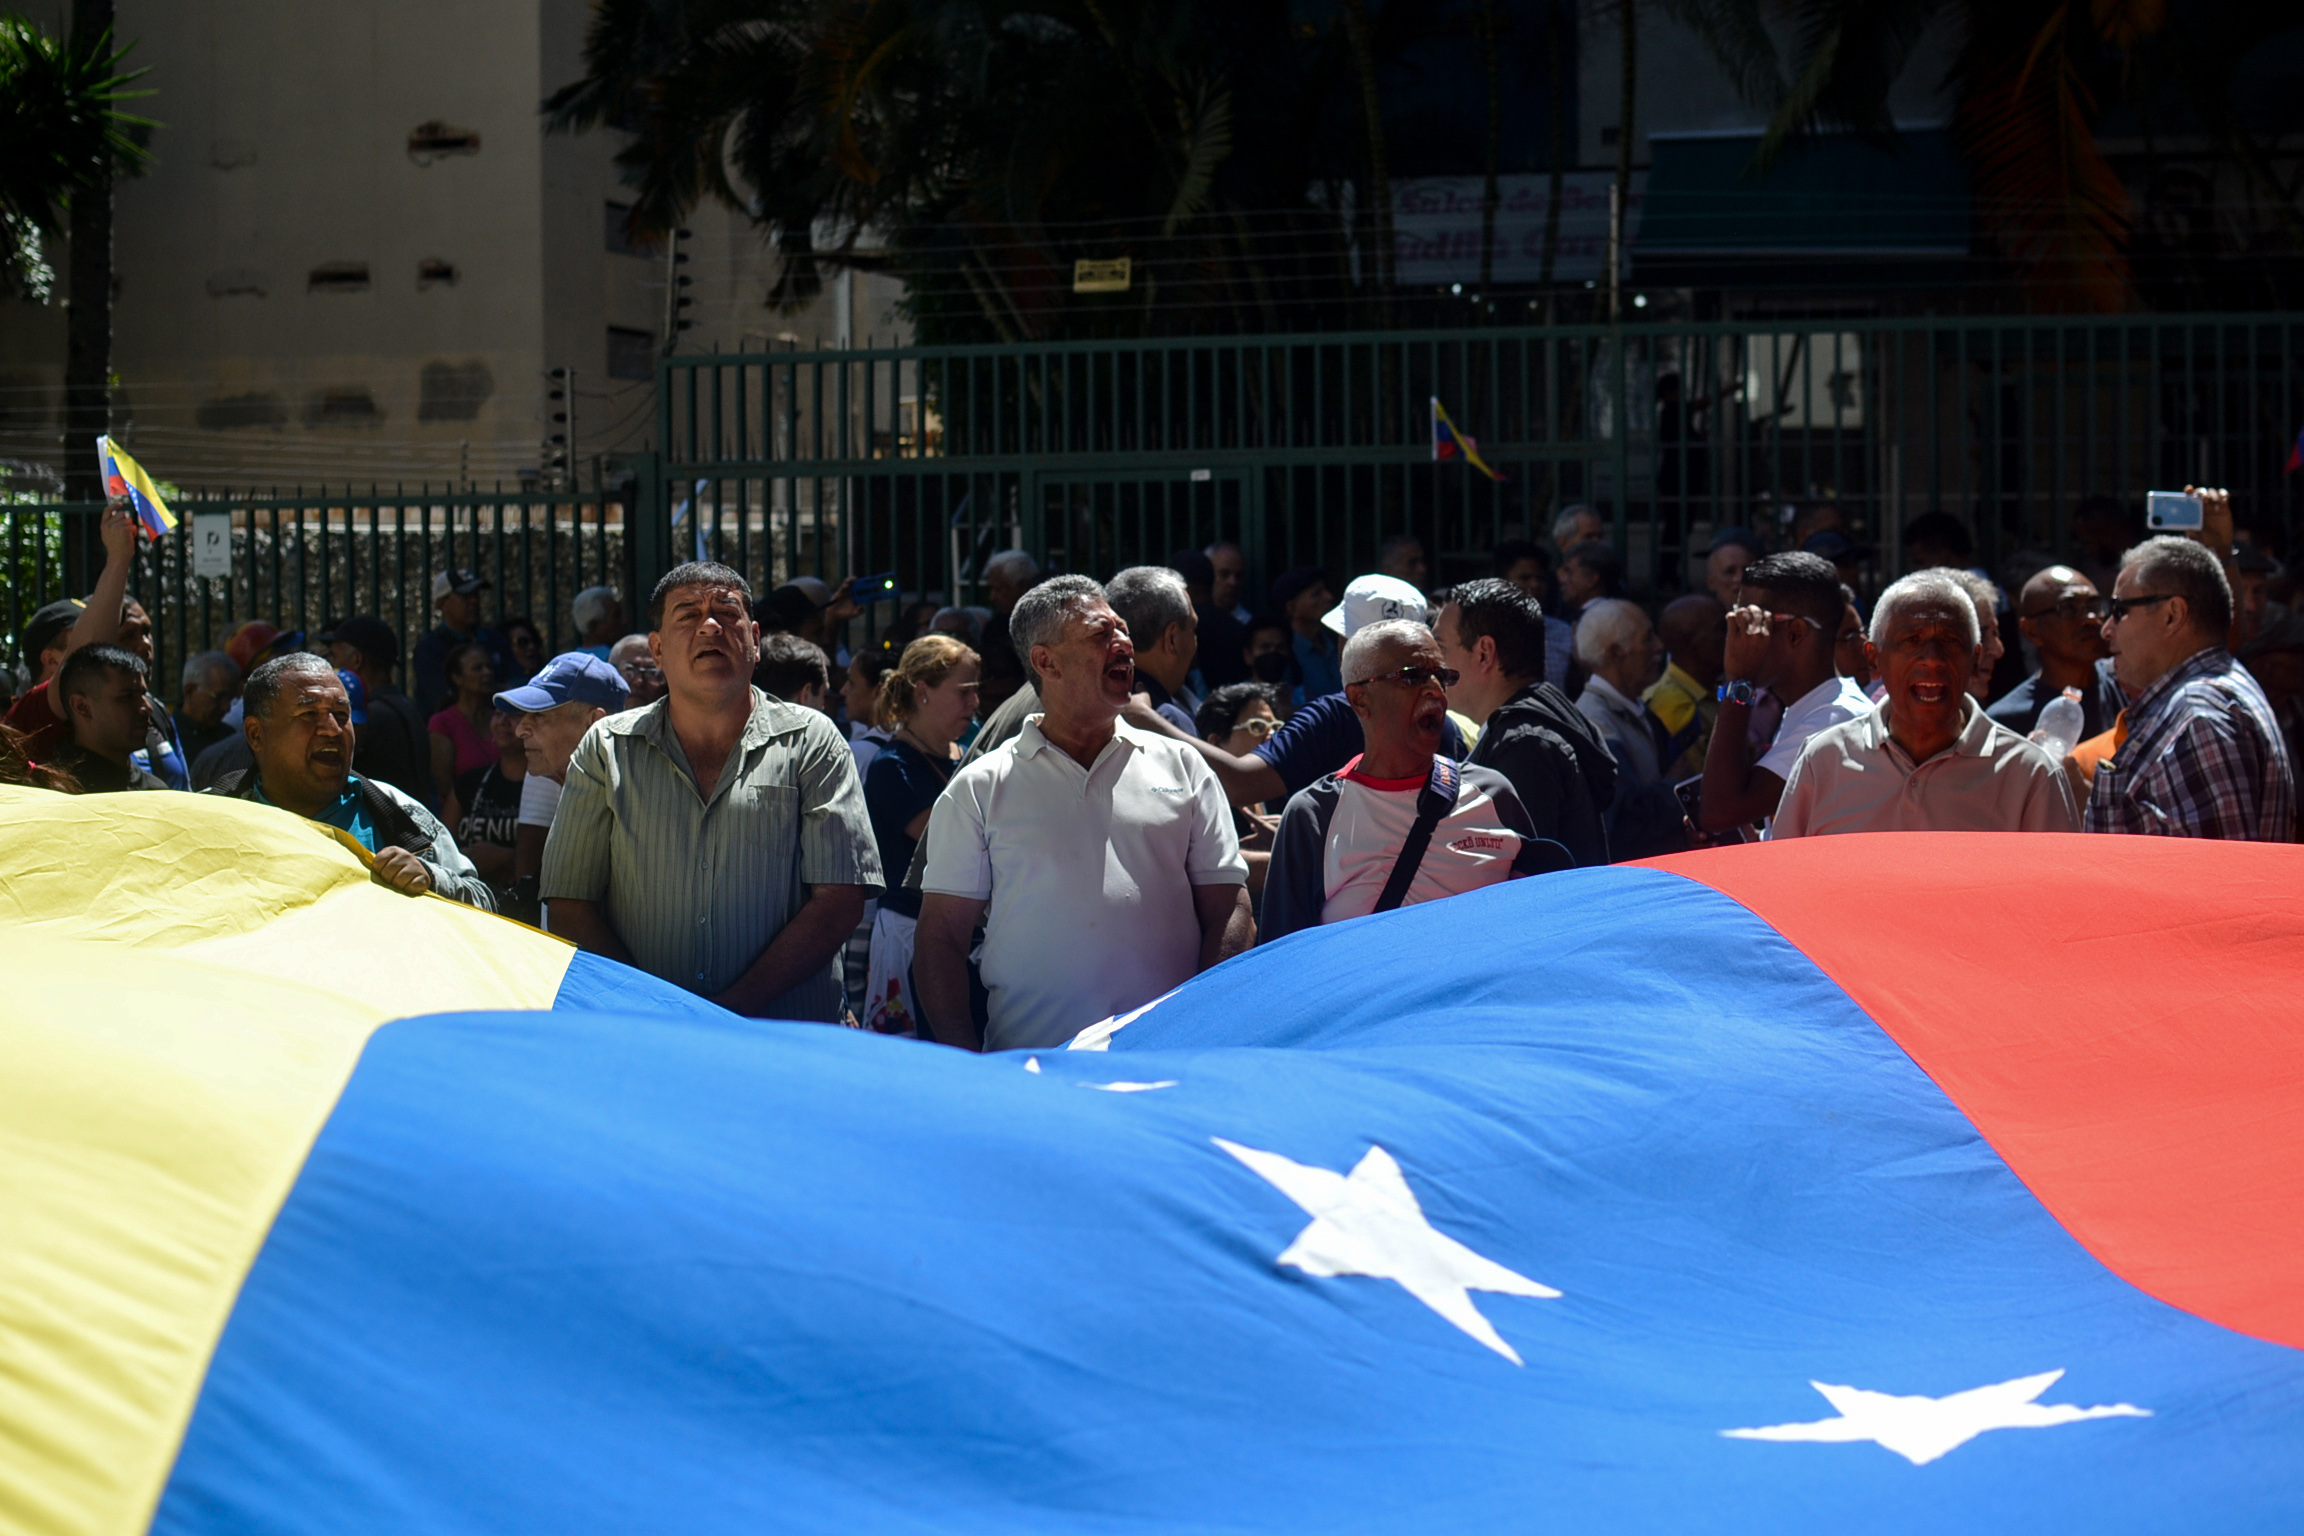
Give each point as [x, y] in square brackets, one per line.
[1694, 630]
[2043, 590]
[1686, 618]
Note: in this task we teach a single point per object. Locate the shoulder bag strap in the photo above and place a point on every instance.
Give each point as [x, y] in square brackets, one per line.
[1436, 800]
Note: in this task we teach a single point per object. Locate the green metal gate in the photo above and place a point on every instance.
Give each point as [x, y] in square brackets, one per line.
[1304, 449]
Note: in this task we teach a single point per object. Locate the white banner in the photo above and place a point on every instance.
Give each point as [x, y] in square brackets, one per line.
[1436, 227]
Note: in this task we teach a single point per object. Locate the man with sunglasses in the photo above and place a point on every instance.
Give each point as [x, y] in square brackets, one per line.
[1400, 823]
[2201, 754]
[1782, 640]
[2062, 614]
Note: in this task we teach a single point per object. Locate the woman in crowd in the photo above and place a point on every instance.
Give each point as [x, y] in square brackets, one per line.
[926, 702]
[527, 644]
[866, 738]
[462, 738]
[1240, 717]
[490, 797]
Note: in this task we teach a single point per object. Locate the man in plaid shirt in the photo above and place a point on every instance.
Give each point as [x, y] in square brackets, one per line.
[2203, 755]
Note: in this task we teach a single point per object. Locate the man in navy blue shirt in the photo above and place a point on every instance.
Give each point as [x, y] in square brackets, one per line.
[1323, 735]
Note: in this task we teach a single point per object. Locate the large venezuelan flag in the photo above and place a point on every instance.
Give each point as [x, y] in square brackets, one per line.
[1896, 1184]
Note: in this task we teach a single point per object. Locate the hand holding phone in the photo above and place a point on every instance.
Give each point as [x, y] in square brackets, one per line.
[2172, 512]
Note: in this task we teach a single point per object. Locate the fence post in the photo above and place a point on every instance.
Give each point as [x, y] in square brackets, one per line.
[650, 535]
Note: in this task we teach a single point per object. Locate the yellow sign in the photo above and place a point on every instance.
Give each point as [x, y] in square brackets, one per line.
[1100, 276]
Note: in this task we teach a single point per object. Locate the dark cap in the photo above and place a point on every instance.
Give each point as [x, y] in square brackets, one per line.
[461, 582]
[2248, 557]
[574, 677]
[43, 628]
[1742, 538]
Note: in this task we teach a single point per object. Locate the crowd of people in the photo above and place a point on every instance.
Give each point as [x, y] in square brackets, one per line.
[994, 827]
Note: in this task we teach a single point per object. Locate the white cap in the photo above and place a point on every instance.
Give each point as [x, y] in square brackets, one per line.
[1371, 598]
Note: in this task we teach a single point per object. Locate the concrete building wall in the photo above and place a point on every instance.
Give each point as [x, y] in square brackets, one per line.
[304, 145]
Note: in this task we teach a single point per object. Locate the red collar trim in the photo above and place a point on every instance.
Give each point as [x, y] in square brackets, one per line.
[1351, 770]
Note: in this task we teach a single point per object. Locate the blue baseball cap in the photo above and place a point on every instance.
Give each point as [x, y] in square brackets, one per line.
[357, 692]
[579, 677]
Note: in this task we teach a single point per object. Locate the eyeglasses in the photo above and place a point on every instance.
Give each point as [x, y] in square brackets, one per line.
[1258, 726]
[2120, 606]
[2092, 608]
[1416, 677]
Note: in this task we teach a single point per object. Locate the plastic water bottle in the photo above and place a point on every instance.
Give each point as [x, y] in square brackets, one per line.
[2060, 725]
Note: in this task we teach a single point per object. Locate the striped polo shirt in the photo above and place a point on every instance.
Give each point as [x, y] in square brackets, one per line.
[697, 888]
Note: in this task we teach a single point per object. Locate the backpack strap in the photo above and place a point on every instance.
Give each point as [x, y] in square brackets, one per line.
[1435, 800]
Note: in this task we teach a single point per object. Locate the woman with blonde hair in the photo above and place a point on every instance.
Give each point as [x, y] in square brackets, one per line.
[926, 701]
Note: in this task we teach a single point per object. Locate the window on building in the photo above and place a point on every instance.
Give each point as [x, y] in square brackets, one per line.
[338, 277]
[434, 140]
[622, 241]
[631, 354]
[349, 406]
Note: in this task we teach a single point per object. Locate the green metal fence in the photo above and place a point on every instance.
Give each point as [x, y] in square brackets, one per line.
[1303, 449]
[1315, 448]
[305, 559]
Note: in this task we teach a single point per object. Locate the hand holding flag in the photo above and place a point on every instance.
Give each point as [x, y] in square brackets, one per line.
[123, 476]
[1448, 443]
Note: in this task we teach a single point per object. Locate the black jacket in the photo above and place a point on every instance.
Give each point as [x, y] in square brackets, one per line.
[1555, 760]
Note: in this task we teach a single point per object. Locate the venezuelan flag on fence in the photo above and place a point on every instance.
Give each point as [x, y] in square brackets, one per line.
[1914, 1183]
[123, 476]
[1450, 443]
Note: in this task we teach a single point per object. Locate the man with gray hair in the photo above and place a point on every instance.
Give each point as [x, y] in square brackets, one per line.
[1101, 859]
[211, 683]
[1620, 651]
[1008, 575]
[2203, 755]
[1926, 758]
[599, 616]
[1400, 823]
[1156, 605]
[297, 718]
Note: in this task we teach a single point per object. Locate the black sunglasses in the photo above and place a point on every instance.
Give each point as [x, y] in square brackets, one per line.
[2071, 608]
[2119, 606]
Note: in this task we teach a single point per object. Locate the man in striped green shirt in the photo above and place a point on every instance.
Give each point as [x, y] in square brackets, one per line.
[716, 838]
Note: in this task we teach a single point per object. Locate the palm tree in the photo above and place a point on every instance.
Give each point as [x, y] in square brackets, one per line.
[2031, 82]
[62, 136]
[981, 147]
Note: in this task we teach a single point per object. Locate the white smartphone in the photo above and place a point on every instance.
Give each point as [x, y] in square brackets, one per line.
[2171, 512]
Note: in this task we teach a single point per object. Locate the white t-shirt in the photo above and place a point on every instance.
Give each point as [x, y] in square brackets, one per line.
[1470, 848]
[539, 798]
[1089, 872]
[1827, 704]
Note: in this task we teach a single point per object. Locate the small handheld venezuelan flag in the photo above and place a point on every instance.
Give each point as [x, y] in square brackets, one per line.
[2295, 454]
[123, 476]
[1448, 442]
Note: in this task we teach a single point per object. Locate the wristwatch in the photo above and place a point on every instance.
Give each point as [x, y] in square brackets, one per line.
[1742, 691]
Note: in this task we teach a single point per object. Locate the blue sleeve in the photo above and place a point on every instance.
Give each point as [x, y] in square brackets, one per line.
[1175, 716]
[1318, 740]
[1295, 891]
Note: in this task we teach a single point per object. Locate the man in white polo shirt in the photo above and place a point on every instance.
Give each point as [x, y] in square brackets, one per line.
[1100, 858]
[1400, 823]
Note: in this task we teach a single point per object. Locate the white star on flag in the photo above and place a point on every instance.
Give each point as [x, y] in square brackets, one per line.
[1370, 1224]
[1920, 1429]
